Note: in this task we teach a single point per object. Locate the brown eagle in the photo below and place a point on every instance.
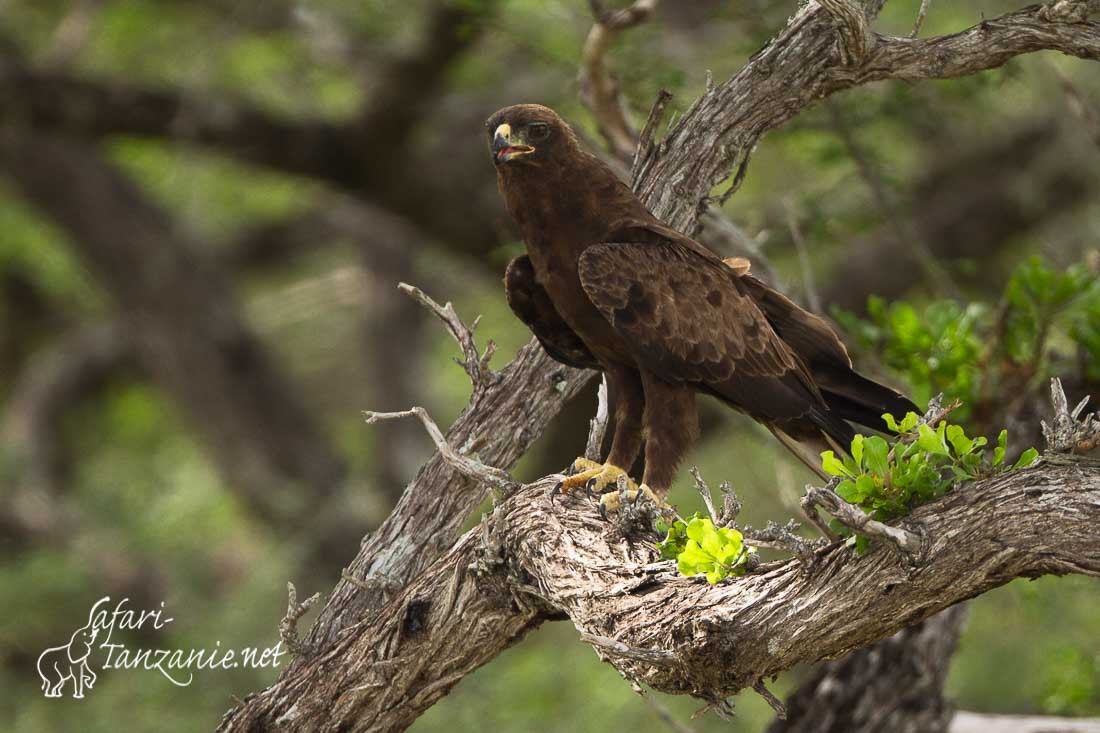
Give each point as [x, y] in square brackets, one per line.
[606, 285]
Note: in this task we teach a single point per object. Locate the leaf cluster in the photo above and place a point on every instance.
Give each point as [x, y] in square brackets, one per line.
[887, 479]
[698, 546]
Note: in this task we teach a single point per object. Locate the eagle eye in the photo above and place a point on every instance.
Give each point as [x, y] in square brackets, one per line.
[538, 131]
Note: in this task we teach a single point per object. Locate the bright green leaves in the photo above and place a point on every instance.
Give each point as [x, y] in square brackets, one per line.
[887, 479]
[700, 547]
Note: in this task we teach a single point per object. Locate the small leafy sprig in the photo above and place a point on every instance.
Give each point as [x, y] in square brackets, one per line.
[698, 546]
[886, 480]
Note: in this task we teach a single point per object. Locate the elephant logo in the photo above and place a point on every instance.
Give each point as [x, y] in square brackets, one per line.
[60, 664]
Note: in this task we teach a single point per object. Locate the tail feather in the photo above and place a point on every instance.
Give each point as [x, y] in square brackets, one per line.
[854, 397]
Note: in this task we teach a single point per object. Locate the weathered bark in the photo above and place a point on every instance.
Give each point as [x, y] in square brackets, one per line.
[802, 65]
[503, 419]
[532, 560]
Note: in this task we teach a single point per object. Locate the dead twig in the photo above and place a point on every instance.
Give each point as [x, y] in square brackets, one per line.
[597, 426]
[1068, 432]
[920, 18]
[783, 537]
[646, 147]
[598, 89]
[288, 627]
[611, 646]
[855, 519]
[468, 467]
[776, 704]
[475, 364]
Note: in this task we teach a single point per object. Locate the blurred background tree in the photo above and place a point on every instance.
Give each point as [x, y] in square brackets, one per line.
[204, 211]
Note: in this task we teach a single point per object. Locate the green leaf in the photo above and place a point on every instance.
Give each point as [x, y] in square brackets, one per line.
[999, 451]
[909, 422]
[957, 437]
[931, 441]
[847, 491]
[857, 450]
[877, 451]
[832, 465]
[1028, 457]
[891, 422]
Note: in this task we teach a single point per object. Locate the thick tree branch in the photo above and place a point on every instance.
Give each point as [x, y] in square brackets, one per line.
[674, 634]
[800, 66]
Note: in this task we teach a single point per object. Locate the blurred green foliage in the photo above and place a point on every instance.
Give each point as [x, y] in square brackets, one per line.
[976, 352]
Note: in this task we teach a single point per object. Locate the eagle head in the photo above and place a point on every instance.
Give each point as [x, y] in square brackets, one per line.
[527, 134]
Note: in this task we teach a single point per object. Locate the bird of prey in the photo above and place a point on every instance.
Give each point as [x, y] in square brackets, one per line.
[606, 285]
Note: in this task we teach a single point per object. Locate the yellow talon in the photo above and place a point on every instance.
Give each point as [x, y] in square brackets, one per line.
[594, 477]
[612, 501]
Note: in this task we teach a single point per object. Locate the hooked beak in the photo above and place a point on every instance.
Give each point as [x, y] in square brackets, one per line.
[507, 147]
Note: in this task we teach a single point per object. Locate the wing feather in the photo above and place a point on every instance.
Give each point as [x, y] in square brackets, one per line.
[686, 317]
[532, 304]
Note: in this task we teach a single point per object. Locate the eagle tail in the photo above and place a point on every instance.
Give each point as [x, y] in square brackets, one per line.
[853, 397]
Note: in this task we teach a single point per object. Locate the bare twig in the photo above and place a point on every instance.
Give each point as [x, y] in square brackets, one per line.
[776, 705]
[920, 18]
[784, 538]
[731, 505]
[646, 148]
[475, 364]
[704, 491]
[598, 89]
[855, 519]
[468, 467]
[288, 627]
[619, 649]
[597, 426]
[1068, 432]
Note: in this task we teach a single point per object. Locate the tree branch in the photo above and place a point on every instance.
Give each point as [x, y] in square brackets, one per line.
[598, 89]
[800, 66]
[672, 633]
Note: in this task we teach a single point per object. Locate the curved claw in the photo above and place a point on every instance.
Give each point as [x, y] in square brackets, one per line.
[589, 485]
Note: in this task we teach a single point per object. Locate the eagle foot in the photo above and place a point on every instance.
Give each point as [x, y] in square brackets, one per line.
[594, 477]
[613, 501]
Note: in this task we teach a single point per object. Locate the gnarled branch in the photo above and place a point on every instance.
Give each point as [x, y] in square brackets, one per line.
[668, 632]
